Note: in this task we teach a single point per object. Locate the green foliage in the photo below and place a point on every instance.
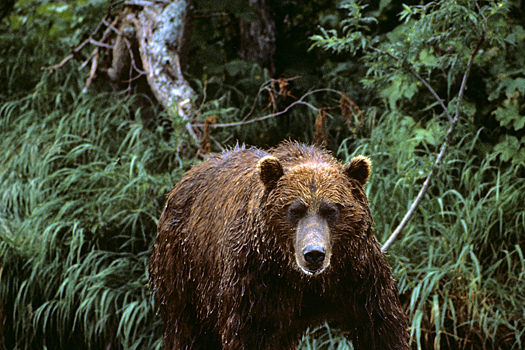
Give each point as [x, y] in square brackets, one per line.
[82, 188]
[324, 338]
[38, 33]
[83, 177]
[509, 114]
[435, 41]
[352, 29]
[83, 180]
[460, 263]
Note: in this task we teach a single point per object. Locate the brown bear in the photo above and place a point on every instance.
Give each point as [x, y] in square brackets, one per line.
[255, 247]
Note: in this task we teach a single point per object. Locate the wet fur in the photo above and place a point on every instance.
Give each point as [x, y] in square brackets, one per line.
[223, 265]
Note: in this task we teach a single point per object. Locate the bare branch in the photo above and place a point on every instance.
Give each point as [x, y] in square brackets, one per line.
[92, 72]
[56, 66]
[268, 116]
[142, 3]
[86, 62]
[103, 39]
[76, 51]
[100, 44]
[266, 86]
[440, 156]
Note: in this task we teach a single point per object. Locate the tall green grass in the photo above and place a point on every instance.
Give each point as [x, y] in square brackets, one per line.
[324, 338]
[82, 185]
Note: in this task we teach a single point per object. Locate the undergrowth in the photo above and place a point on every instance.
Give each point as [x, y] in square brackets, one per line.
[83, 179]
[460, 266]
[82, 185]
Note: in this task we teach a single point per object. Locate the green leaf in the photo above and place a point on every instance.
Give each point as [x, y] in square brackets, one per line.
[519, 123]
[399, 88]
[516, 84]
[508, 149]
[384, 3]
[509, 116]
[432, 134]
[428, 58]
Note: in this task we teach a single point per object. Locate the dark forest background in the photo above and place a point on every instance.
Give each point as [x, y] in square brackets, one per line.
[86, 160]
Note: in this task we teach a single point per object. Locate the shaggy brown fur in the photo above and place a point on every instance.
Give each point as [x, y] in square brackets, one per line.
[230, 266]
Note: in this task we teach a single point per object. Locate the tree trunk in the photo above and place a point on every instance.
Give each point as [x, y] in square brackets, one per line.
[160, 30]
[258, 37]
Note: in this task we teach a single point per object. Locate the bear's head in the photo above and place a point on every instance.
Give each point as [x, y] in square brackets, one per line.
[317, 207]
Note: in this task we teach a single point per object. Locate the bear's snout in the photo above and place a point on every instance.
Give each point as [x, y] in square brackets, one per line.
[314, 257]
[312, 244]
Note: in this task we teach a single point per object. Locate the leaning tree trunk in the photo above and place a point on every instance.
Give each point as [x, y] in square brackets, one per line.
[162, 34]
[149, 38]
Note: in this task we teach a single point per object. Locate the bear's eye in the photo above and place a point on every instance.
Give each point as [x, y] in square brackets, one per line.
[296, 211]
[330, 212]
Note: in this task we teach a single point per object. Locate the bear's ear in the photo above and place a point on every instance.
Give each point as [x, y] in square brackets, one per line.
[270, 170]
[359, 169]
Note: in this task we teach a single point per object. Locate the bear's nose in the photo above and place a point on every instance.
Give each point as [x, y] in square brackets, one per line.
[314, 256]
